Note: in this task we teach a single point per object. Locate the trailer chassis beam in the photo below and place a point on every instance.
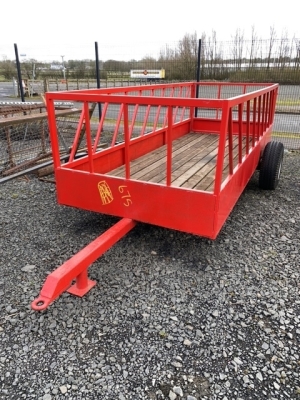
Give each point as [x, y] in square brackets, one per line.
[75, 269]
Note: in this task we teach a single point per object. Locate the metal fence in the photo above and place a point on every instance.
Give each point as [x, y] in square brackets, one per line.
[287, 117]
[24, 137]
[24, 134]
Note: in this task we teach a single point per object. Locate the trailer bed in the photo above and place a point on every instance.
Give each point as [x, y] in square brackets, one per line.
[172, 158]
[165, 148]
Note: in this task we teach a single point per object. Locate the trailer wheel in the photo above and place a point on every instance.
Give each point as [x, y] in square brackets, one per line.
[270, 166]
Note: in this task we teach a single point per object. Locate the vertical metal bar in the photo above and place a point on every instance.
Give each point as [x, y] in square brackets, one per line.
[176, 109]
[134, 114]
[19, 73]
[240, 132]
[221, 147]
[146, 115]
[117, 125]
[188, 91]
[198, 74]
[88, 136]
[248, 127]
[145, 119]
[100, 127]
[77, 136]
[259, 118]
[82, 280]
[53, 133]
[98, 76]
[169, 146]
[218, 97]
[268, 110]
[272, 109]
[43, 138]
[254, 121]
[9, 147]
[166, 116]
[126, 138]
[230, 142]
[193, 113]
[263, 114]
[156, 119]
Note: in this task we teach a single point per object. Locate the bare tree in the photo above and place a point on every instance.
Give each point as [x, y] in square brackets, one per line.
[254, 44]
[7, 68]
[297, 48]
[237, 51]
[212, 56]
[283, 50]
[166, 53]
[186, 56]
[271, 45]
[211, 52]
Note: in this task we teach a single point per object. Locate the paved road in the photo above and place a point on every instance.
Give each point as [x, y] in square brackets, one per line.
[6, 91]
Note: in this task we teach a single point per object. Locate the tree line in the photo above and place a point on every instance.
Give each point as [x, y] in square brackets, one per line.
[276, 59]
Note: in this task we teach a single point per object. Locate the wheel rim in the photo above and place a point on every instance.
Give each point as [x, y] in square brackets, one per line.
[279, 169]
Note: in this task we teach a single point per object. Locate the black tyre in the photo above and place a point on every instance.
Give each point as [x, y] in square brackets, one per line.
[270, 165]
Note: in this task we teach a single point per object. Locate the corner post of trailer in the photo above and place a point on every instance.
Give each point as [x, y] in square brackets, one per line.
[225, 105]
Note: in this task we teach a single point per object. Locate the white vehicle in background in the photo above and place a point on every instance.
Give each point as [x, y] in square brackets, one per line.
[149, 74]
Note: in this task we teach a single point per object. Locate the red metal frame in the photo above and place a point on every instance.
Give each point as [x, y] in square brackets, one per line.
[248, 116]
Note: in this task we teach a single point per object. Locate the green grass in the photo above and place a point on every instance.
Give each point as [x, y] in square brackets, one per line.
[288, 102]
[289, 135]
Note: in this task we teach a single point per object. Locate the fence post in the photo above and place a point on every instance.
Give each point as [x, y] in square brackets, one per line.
[46, 85]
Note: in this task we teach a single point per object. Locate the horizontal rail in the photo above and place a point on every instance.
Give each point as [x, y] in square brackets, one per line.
[22, 119]
[249, 116]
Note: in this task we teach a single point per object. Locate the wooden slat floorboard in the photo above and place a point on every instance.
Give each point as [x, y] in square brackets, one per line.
[193, 162]
[156, 157]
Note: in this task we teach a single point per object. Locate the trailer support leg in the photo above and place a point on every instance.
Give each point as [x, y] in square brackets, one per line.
[82, 284]
[76, 268]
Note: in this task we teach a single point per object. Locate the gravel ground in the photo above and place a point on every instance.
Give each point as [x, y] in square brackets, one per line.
[172, 316]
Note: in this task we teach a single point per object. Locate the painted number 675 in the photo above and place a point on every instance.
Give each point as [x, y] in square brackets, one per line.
[126, 196]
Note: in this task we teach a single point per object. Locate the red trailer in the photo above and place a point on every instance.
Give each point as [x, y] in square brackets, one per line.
[159, 154]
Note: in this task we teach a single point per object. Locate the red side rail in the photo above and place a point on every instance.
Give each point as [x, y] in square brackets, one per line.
[248, 115]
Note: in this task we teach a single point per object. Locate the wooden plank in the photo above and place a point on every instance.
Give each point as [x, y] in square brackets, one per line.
[182, 155]
[208, 167]
[149, 158]
[196, 163]
[193, 162]
[203, 178]
[208, 184]
[208, 174]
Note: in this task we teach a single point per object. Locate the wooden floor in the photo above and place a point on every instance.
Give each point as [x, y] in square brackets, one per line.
[193, 163]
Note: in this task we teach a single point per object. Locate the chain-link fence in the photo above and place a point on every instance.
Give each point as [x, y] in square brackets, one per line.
[24, 137]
